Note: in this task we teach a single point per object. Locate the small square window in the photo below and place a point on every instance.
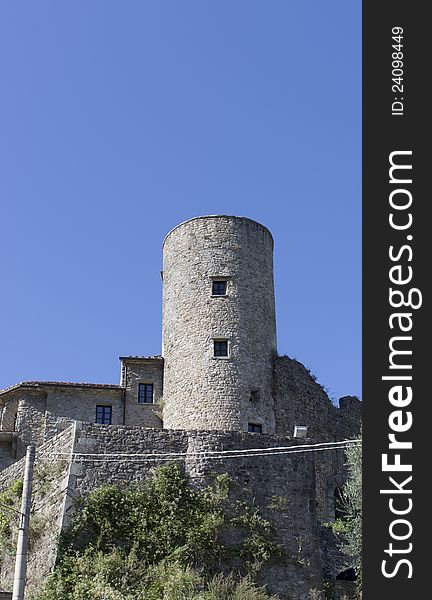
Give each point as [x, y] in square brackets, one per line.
[254, 395]
[220, 348]
[254, 428]
[103, 414]
[219, 288]
[145, 393]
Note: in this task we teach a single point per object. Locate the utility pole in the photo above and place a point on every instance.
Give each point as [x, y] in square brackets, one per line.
[23, 531]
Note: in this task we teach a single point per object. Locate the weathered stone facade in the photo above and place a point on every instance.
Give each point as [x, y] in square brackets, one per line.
[135, 371]
[300, 400]
[34, 411]
[190, 402]
[8, 441]
[51, 473]
[203, 391]
[254, 480]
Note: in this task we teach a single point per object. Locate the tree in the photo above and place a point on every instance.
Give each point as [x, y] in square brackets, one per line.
[351, 509]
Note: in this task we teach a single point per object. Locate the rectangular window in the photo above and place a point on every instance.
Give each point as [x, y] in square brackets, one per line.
[103, 415]
[254, 395]
[145, 393]
[254, 428]
[220, 348]
[219, 288]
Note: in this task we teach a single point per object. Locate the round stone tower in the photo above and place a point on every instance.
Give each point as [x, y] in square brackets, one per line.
[218, 325]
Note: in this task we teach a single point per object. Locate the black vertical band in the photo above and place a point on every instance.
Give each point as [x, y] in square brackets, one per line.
[396, 266]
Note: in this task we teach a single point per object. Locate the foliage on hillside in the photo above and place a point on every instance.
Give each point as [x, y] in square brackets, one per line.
[10, 500]
[352, 508]
[348, 527]
[160, 540]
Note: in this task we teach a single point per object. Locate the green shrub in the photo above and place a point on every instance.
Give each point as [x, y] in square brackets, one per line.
[159, 540]
[228, 588]
[10, 501]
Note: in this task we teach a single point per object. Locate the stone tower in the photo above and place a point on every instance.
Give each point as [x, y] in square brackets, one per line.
[218, 325]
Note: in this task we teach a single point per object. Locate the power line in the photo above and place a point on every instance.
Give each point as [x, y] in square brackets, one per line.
[236, 450]
[168, 457]
[214, 454]
[14, 510]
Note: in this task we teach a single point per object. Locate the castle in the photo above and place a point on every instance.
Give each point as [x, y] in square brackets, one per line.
[219, 384]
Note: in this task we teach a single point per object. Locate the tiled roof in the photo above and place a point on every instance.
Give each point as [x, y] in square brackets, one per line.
[130, 357]
[35, 384]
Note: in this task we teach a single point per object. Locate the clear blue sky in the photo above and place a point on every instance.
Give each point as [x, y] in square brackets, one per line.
[121, 119]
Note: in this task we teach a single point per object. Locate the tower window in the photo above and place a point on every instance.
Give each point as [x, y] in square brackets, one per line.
[254, 395]
[254, 428]
[103, 414]
[145, 393]
[220, 348]
[219, 288]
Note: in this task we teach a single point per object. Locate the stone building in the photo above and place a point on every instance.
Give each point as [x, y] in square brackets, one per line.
[219, 384]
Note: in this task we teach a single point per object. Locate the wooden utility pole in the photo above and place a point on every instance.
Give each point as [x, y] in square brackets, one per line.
[23, 531]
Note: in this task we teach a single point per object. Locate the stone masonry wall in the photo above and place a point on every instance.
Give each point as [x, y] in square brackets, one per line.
[202, 391]
[71, 403]
[7, 450]
[9, 412]
[300, 400]
[136, 371]
[30, 419]
[49, 483]
[87, 473]
[282, 486]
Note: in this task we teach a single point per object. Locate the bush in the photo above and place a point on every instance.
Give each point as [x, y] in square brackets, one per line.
[159, 540]
[227, 588]
[10, 501]
[350, 506]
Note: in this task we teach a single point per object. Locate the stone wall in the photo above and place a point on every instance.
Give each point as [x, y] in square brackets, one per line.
[43, 409]
[37, 411]
[49, 483]
[282, 486]
[71, 403]
[202, 391]
[88, 472]
[301, 400]
[30, 423]
[348, 418]
[8, 415]
[8, 443]
[142, 370]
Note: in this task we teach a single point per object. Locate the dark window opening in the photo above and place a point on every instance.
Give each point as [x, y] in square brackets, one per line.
[347, 575]
[254, 428]
[220, 347]
[219, 288]
[145, 393]
[103, 415]
[254, 395]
